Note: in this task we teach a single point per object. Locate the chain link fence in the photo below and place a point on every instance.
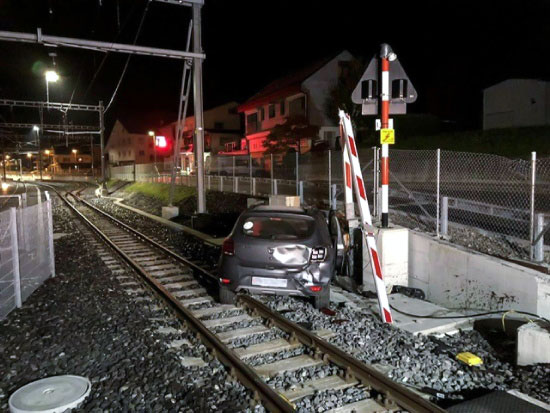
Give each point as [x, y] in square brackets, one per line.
[26, 253]
[487, 202]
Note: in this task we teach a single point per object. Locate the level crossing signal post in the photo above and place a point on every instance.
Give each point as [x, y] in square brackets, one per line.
[391, 98]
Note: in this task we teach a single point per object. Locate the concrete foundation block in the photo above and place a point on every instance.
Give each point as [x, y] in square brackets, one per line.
[533, 344]
[169, 212]
[284, 200]
[393, 252]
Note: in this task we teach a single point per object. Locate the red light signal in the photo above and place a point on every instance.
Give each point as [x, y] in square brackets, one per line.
[160, 142]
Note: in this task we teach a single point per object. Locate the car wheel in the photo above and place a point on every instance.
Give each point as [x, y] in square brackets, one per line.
[322, 300]
[226, 296]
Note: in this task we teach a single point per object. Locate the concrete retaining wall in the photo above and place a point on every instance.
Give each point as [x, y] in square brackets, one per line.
[455, 277]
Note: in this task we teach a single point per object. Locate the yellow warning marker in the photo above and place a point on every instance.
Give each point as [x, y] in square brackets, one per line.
[469, 359]
[387, 136]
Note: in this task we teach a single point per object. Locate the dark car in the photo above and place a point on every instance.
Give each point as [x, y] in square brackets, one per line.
[278, 250]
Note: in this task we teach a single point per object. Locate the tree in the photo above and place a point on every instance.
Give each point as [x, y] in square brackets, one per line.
[288, 135]
[339, 97]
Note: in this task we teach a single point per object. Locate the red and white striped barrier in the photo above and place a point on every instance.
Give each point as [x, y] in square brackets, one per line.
[351, 164]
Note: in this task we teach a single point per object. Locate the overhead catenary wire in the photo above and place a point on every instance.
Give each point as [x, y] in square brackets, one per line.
[128, 58]
[120, 30]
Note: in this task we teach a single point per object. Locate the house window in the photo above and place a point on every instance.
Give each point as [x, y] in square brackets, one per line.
[218, 125]
[262, 114]
[141, 153]
[271, 111]
[297, 106]
[282, 107]
[252, 125]
[344, 68]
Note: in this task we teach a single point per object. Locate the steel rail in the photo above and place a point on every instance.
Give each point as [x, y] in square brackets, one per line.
[238, 369]
[367, 375]
[149, 240]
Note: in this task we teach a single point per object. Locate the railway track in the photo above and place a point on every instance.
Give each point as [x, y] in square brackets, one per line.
[184, 285]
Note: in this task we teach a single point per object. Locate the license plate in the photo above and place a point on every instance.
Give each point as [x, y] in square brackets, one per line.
[269, 282]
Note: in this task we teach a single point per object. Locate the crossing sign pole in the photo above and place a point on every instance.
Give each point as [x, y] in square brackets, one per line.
[391, 98]
[385, 120]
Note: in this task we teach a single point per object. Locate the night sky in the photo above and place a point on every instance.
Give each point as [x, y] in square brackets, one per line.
[450, 50]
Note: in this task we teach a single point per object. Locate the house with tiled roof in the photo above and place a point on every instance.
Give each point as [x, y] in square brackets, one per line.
[302, 93]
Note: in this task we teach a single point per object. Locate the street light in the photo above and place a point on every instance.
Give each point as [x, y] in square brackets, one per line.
[51, 76]
[35, 128]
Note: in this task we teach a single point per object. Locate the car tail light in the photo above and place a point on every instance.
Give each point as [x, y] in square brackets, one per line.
[228, 246]
[225, 280]
[318, 254]
[315, 288]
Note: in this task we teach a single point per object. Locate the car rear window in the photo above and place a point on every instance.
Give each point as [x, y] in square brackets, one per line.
[277, 227]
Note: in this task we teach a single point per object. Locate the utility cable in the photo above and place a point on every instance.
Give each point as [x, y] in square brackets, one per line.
[129, 57]
[471, 315]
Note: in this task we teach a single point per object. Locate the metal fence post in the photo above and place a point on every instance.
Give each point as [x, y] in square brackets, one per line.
[209, 182]
[271, 155]
[275, 187]
[15, 258]
[444, 216]
[221, 183]
[329, 178]
[297, 173]
[250, 172]
[532, 214]
[539, 245]
[253, 186]
[437, 192]
[49, 222]
[236, 182]
[301, 191]
[233, 168]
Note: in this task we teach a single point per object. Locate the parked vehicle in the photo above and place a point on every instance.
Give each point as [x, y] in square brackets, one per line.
[278, 250]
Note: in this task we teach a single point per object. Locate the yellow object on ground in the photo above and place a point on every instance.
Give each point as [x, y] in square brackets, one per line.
[469, 359]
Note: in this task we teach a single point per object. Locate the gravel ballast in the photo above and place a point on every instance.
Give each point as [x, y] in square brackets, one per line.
[83, 323]
[415, 361]
[419, 361]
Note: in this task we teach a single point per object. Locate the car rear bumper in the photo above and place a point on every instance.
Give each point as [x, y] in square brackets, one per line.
[294, 284]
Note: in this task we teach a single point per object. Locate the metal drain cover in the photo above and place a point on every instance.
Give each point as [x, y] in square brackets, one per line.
[50, 395]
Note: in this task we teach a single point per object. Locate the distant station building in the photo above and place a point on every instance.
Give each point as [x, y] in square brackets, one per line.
[303, 92]
[516, 103]
[125, 147]
[222, 133]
